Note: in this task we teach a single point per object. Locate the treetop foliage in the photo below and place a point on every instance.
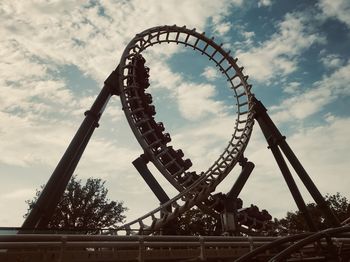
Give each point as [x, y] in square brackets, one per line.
[294, 221]
[84, 207]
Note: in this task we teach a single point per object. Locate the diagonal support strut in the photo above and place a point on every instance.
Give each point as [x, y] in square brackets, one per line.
[40, 215]
[278, 143]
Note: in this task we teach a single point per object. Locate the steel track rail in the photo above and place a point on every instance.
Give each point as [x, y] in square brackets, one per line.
[197, 191]
[53, 247]
[276, 243]
[328, 233]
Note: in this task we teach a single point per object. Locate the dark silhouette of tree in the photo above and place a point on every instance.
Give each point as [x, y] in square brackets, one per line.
[294, 221]
[84, 207]
[194, 223]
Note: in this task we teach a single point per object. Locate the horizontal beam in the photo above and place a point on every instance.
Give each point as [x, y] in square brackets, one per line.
[71, 247]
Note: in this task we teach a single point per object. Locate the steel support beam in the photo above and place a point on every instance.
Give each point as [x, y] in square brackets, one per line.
[276, 142]
[309, 184]
[143, 170]
[272, 141]
[247, 168]
[228, 216]
[46, 203]
[330, 232]
[292, 186]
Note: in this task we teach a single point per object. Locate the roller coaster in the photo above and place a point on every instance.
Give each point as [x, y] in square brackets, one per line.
[141, 240]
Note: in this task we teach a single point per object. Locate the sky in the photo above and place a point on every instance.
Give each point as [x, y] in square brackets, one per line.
[55, 55]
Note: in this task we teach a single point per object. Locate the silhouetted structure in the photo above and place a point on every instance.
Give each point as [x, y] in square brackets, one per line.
[129, 81]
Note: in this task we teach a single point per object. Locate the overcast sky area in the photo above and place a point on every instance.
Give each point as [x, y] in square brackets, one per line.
[55, 55]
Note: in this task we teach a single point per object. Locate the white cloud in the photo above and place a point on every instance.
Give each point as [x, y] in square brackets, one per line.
[327, 159]
[322, 150]
[248, 34]
[71, 33]
[291, 88]
[210, 73]
[339, 9]
[161, 76]
[302, 106]
[196, 101]
[222, 28]
[312, 100]
[40, 113]
[205, 141]
[322, 160]
[279, 55]
[264, 3]
[332, 61]
[248, 42]
[20, 193]
[26, 142]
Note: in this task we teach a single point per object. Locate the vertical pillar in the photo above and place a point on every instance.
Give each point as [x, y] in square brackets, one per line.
[228, 215]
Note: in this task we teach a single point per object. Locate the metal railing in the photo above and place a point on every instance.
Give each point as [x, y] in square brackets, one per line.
[45, 247]
[70, 247]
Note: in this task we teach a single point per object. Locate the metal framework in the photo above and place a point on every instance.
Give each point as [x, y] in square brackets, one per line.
[145, 129]
[194, 189]
[43, 209]
[49, 247]
[129, 81]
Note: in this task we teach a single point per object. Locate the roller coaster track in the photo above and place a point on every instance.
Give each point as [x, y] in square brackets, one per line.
[130, 81]
[144, 127]
[328, 245]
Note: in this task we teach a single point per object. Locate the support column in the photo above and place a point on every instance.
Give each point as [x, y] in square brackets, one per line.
[272, 141]
[247, 168]
[153, 184]
[275, 139]
[46, 203]
[309, 184]
[228, 216]
[293, 188]
[261, 113]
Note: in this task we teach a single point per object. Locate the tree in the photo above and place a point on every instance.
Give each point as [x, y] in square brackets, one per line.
[84, 207]
[193, 222]
[294, 221]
